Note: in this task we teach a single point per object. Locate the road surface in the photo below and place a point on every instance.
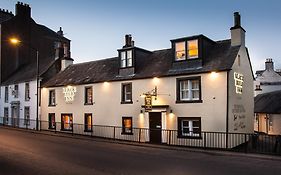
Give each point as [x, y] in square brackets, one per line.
[31, 153]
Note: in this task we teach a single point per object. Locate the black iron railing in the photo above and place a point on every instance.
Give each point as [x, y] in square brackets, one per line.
[240, 142]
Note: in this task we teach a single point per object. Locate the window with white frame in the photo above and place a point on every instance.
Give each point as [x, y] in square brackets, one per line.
[126, 59]
[188, 89]
[189, 127]
[52, 97]
[126, 93]
[6, 94]
[16, 91]
[27, 92]
[26, 115]
[6, 115]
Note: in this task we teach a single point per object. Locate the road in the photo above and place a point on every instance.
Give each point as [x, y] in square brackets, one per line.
[33, 153]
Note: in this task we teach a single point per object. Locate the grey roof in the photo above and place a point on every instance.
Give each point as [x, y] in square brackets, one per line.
[269, 103]
[157, 64]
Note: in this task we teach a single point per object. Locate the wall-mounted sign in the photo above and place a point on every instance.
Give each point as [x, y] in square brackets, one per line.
[69, 93]
[148, 103]
[239, 79]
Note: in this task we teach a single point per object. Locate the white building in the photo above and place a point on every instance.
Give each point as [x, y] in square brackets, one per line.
[196, 85]
[267, 80]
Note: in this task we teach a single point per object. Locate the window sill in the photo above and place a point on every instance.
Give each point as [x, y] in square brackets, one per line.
[126, 102]
[51, 105]
[127, 133]
[189, 101]
[189, 137]
[88, 103]
[67, 130]
[52, 128]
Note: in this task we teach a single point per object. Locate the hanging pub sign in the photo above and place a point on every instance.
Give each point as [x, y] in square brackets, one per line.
[69, 93]
[239, 79]
[148, 103]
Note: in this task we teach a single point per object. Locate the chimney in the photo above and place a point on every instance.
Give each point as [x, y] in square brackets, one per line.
[237, 32]
[128, 41]
[269, 64]
[23, 10]
[65, 62]
[59, 53]
[60, 32]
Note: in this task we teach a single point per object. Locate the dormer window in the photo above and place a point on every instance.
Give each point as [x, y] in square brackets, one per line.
[185, 50]
[126, 58]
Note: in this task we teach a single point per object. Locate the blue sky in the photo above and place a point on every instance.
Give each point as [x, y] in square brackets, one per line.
[97, 27]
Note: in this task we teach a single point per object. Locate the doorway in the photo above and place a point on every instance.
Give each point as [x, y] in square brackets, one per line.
[15, 115]
[155, 127]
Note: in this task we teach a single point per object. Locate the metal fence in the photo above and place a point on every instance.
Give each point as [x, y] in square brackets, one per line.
[240, 142]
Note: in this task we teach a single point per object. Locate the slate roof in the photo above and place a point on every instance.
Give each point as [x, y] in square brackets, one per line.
[269, 103]
[157, 64]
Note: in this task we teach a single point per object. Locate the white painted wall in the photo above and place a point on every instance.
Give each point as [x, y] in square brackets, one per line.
[107, 109]
[241, 122]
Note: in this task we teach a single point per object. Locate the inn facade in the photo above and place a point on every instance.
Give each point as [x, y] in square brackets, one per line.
[196, 85]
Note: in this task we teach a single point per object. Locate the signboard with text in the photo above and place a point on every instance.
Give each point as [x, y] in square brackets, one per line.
[239, 79]
[69, 93]
[148, 103]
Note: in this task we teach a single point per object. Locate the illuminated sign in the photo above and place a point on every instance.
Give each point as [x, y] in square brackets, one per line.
[148, 103]
[239, 79]
[69, 93]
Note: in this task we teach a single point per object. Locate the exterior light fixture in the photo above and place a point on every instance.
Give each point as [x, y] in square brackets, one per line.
[171, 111]
[141, 111]
[14, 41]
[214, 75]
[155, 81]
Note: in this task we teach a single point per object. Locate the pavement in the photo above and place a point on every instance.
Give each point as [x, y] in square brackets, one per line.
[24, 152]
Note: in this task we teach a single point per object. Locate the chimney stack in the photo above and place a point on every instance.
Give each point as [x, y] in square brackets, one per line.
[237, 32]
[269, 64]
[23, 10]
[60, 32]
[128, 41]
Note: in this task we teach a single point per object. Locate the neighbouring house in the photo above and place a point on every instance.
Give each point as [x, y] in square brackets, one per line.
[196, 85]
[268, 113]
[18, 64]
[267, 80]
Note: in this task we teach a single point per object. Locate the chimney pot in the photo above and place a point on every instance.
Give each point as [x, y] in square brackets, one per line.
[128, 40]
[237, 19]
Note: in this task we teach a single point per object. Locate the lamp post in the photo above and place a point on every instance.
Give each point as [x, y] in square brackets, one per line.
[16, 41]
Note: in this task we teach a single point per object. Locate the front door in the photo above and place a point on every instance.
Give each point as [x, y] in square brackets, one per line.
[155, 127]
[15, 115]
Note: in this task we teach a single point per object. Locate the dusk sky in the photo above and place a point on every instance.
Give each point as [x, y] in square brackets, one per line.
[97, 27]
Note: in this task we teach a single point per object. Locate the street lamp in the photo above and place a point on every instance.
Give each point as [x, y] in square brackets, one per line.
[16, 41]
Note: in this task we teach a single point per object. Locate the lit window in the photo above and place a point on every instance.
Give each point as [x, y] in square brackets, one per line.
[126, 59]
[27, 92]
[52, 121]
[88, 95]
[180, 51]
[88, 123]
[6, 94]
[127, 93]
[189, 126]
[192, 49]
[26, 115]
[127, 126]
[52, 98]
[66, 122]
[188, 89]
[182, 54]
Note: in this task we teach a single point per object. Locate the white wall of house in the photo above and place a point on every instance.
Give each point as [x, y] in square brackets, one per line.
[241, 106]
[107, 109]
[21, 99]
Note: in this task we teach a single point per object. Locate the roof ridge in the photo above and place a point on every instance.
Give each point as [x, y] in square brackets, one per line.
[99, 60]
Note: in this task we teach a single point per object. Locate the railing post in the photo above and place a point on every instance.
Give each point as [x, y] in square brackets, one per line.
[72, 129]
[55, 127]
[204, 139]
[169, 137]
[246, 144]
[114, 132]
[139, 135]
